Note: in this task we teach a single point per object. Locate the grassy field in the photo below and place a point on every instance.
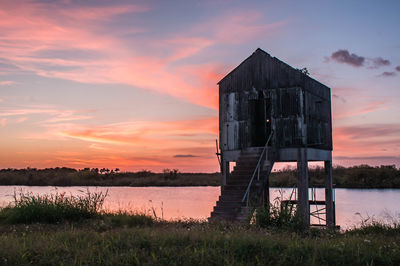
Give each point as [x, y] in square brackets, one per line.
[134, 239]
[109, 241]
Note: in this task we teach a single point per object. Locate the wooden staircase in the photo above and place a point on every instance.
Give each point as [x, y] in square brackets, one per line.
[231, 204]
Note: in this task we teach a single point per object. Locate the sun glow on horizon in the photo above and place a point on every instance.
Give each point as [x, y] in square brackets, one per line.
[134, 86]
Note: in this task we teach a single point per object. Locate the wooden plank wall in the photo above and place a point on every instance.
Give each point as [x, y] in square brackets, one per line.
[261, 72]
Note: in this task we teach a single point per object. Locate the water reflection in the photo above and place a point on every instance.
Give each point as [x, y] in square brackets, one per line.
[352, 205]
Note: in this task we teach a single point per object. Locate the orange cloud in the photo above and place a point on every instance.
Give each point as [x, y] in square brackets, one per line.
[358, 109]
[367, 140]
[6, 82]
[58, 115]
[3, 122]
[137, 145]
[164, 134]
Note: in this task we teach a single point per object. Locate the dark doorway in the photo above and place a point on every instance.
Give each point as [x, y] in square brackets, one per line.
[258, 122]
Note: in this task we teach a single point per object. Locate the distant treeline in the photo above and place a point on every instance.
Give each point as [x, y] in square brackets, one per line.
[362, 176]
[63, 176]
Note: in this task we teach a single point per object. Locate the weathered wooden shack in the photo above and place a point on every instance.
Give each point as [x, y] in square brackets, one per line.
[271, 112]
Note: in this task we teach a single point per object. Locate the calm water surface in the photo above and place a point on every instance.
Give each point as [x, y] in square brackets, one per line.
[352, 205]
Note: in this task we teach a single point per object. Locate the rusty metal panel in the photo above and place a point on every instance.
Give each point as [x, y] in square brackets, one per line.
[288, 118]
[243, 133]
[301, 106]
[232, 107]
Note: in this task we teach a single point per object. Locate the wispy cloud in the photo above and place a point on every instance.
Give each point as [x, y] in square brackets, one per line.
[238, 26]
[6, 82]
[359, 109]
[21, 119]
[57, 115]
[379, 62]
[381, 158]
[77, 42]
[135, 145]
[367, 139]
[3, 122]
[388, 74]
[145, 133]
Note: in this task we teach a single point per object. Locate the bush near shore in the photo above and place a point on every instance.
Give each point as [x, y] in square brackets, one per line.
[362, 176]
[138, 239]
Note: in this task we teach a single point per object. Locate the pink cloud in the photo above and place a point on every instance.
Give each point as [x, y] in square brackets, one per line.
[6, 82]
[163, 134]
[21, 119]
[36, 27]
[357, 108]
[239, 26]
[367, 140]
[186, 47]
[128, 145]
[3, 122]
[57, 115]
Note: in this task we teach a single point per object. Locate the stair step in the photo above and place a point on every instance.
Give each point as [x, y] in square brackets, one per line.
[245, 166]
[229, 205]
[254, 157]
[247, 160]
[229, 196]
[240, 175]
[239, 183]
[241, 172]
[230, 216]
[234, 187]
[233, 192]
[234, 199]
[240, 178]
[251, 151]
[228, 210]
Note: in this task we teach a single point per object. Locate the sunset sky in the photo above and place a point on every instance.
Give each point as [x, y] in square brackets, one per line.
[132, 84]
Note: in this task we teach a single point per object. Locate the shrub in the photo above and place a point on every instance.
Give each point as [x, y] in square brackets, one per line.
[53, 208]
[170, 174]
[280, 215]
[130, 219]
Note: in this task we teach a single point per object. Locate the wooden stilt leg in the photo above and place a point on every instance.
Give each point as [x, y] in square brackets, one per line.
[330, 212]
[225, 173]
[302, 185]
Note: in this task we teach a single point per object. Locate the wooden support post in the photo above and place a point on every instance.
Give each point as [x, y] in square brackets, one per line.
[266, 193]
[225, 172]
[302, 185]
[330, 208]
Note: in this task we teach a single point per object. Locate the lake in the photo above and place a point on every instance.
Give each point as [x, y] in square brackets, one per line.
[352, 205]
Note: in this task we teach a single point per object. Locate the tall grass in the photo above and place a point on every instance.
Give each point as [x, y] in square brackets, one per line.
[135, 239]
[192, 244]
[280, 215]
[52, 208]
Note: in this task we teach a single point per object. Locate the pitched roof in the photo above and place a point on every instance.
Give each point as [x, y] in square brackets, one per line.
[258, 50]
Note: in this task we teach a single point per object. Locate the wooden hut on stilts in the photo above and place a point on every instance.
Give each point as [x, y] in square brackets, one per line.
[271, 112]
